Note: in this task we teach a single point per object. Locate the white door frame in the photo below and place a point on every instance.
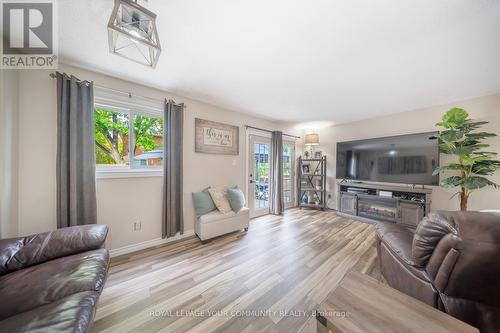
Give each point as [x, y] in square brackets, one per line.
[249, 190]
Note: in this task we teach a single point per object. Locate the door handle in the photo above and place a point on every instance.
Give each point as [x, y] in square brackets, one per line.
[251, 181]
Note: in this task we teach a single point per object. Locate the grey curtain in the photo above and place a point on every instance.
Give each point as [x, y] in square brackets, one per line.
[173, 220]
[276, 204]
[76, 194]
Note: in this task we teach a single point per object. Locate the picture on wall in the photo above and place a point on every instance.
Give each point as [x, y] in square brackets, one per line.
[306, 169]
[216, 138]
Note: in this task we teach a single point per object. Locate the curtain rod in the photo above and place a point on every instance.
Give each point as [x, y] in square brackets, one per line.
[53, 75]
[265, 130]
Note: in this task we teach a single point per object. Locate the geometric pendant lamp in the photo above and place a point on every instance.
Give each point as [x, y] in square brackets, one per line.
[132, 33]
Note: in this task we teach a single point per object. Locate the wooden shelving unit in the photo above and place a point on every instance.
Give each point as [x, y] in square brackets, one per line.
[312, 185]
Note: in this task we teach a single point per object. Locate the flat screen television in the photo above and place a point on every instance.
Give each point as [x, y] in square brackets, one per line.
[407, 159]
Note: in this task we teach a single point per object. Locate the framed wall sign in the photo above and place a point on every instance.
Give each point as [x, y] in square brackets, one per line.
[216, 138]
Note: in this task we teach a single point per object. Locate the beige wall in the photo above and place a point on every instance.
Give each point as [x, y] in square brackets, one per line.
[121, 202]
[9, 89]
[484, 108]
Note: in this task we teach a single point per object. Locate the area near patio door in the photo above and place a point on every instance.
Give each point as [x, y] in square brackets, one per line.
[289, 173]
[259, 172]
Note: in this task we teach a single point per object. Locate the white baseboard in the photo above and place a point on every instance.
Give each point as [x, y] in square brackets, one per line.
[147, 244]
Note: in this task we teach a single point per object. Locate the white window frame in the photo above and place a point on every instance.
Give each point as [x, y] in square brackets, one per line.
[132, 108]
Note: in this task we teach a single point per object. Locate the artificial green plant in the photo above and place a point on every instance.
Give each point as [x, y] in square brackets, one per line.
[472, 162]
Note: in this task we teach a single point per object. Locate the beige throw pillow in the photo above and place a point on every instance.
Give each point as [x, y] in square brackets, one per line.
[219, 196]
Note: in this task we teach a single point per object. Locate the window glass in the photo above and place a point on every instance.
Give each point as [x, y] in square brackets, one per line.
[118, 133]
[111, 138]
[287, 175]
[261, 160]
[148, 147]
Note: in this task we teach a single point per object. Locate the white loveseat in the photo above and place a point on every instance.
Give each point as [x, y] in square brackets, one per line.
[216, 223]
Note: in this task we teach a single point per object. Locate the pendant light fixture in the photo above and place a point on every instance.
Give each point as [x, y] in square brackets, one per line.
[132, 33]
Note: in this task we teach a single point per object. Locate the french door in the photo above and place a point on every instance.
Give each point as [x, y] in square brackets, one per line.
[259, 171]
[289, 173]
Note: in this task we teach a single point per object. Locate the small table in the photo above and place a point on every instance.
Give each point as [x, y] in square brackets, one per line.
[362, 304]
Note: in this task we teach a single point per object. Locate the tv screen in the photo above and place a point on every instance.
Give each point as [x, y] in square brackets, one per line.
[408, 159]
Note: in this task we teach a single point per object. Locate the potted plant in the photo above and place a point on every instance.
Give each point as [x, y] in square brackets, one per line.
[461, 139]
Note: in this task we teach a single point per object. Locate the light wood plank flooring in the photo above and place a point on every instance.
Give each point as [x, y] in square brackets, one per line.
[282, 268]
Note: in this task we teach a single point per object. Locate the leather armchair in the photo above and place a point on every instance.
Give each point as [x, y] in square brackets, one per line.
[53, 280]
[452, 263]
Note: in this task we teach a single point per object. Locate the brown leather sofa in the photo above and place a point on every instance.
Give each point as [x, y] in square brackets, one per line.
[452, 263]
[51, 282]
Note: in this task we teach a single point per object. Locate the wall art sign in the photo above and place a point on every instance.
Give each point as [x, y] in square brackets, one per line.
[216, 138]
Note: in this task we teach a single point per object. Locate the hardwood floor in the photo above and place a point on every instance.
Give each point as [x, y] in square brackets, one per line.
[282, 268]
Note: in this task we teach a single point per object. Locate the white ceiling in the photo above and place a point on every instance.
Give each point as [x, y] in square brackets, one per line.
[291, 60]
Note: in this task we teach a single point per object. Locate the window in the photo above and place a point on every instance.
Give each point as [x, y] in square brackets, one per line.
[127, 139]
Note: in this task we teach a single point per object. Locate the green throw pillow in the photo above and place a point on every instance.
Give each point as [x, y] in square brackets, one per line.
[236, 199]
[203, 202]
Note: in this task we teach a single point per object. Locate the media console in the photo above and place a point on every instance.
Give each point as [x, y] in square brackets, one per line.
[395, 204]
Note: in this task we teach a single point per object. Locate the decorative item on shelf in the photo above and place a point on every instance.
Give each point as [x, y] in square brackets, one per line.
[306, 154]
[318, 184]
[316, 199]
[132, 33]
[473, 160]
[311, 139]
[305, 199]
[305, 168]
[310, 199]
[330, 203]
[216, 138]
[318, 154]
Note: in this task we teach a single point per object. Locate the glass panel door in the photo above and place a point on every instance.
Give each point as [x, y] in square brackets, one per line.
[261, 176]
[289, 174]
[259, 157]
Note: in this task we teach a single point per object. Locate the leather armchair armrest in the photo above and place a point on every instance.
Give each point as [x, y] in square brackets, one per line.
[21, 252]
[437, 259]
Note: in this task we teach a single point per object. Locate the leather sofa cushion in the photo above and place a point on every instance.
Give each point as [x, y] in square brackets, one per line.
[74, 313]
[54, 280]
[21, 252]
[397, 238]
[403, 277]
